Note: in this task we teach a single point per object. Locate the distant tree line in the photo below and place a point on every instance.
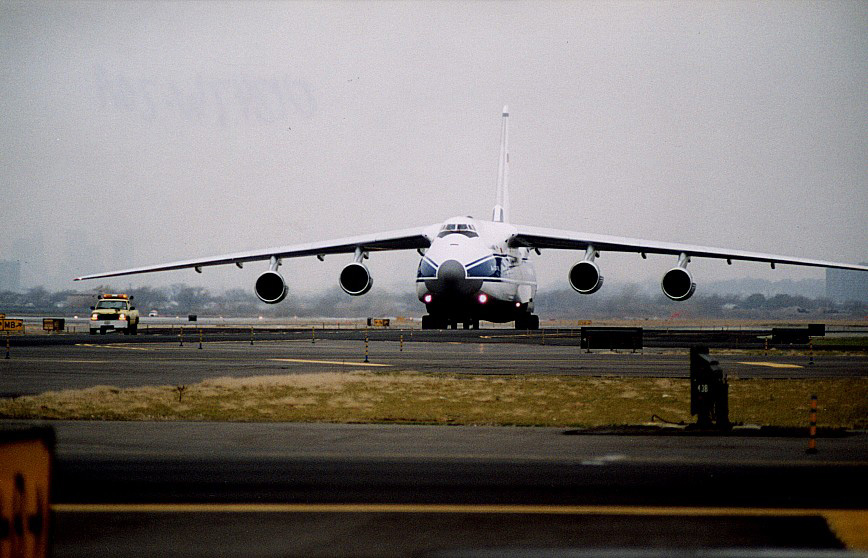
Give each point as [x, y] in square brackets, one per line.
[630, 301]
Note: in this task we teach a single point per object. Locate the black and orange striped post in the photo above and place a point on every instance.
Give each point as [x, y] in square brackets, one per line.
[181, 337]
[402, 342]
[200, 337]
[812, 430]
[366, 346]
[7, 345]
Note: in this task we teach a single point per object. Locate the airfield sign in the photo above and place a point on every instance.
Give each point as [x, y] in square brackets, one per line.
[11, 325]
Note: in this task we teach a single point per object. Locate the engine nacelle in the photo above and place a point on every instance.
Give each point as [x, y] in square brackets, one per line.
[355, 279]
[270, 287]
[585, 277]
[678, 284]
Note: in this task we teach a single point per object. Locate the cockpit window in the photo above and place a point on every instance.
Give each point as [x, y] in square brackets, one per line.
[458, 228]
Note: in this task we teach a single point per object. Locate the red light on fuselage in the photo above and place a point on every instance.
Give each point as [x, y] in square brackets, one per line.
[482, 298]
[427, 298]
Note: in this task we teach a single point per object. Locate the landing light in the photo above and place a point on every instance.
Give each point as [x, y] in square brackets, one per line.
[518, 304]
[483, 298]
[427, 298]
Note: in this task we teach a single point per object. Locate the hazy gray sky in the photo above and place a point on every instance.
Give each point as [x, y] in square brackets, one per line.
[137, 133]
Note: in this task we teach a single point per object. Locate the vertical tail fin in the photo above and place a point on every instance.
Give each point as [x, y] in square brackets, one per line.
[501, 208]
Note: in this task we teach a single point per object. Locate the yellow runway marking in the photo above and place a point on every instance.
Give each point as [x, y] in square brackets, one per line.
[851, 526]
[114, 346]
[771, 364]
[336, 362]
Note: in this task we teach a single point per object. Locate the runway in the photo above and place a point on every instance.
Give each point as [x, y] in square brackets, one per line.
[284, 489]
[126, 362]
[136, 489]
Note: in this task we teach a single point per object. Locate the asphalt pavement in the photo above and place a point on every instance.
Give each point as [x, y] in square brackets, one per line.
[124, 362]
[276, 489]
[237, 489]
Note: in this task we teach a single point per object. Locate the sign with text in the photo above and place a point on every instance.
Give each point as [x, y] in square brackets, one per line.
[11, 325]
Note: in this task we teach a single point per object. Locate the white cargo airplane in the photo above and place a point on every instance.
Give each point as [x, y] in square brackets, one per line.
[473, 269]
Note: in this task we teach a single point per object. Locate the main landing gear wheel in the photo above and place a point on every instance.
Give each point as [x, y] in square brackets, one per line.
[529, 321]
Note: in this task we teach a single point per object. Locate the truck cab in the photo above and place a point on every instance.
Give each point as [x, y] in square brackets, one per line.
[114, 312]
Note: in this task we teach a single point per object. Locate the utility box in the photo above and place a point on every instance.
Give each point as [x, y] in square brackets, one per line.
[709, 390]
[790, 336]
[192, 318]
[611, 338]
[797, 335]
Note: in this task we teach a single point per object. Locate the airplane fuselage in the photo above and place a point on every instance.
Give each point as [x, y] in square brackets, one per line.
[469, 273]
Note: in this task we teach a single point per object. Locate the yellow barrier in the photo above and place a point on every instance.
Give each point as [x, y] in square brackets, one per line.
[25, 480]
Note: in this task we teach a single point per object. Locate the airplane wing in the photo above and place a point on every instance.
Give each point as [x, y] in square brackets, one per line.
[539, 238]
[406, 239]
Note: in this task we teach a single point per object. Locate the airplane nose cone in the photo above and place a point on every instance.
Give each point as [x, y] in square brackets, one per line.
[452, 280]
[451, 272]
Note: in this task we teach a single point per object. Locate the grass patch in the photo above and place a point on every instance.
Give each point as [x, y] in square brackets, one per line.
[855, 341]
[414, 398]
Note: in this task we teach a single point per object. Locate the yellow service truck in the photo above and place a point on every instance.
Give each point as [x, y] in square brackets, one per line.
[114, 311]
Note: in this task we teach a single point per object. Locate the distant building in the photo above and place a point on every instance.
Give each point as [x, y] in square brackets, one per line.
[10, 276]
[844, 285]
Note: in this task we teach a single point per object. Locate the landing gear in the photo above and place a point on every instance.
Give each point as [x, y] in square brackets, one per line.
[527, 321]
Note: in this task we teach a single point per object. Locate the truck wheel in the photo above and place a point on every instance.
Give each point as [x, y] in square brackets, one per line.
[134, 329]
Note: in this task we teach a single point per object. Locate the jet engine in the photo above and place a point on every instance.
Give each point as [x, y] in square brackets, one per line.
[355, 279]
[585, 277]
[678, 284]
[270, 287]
